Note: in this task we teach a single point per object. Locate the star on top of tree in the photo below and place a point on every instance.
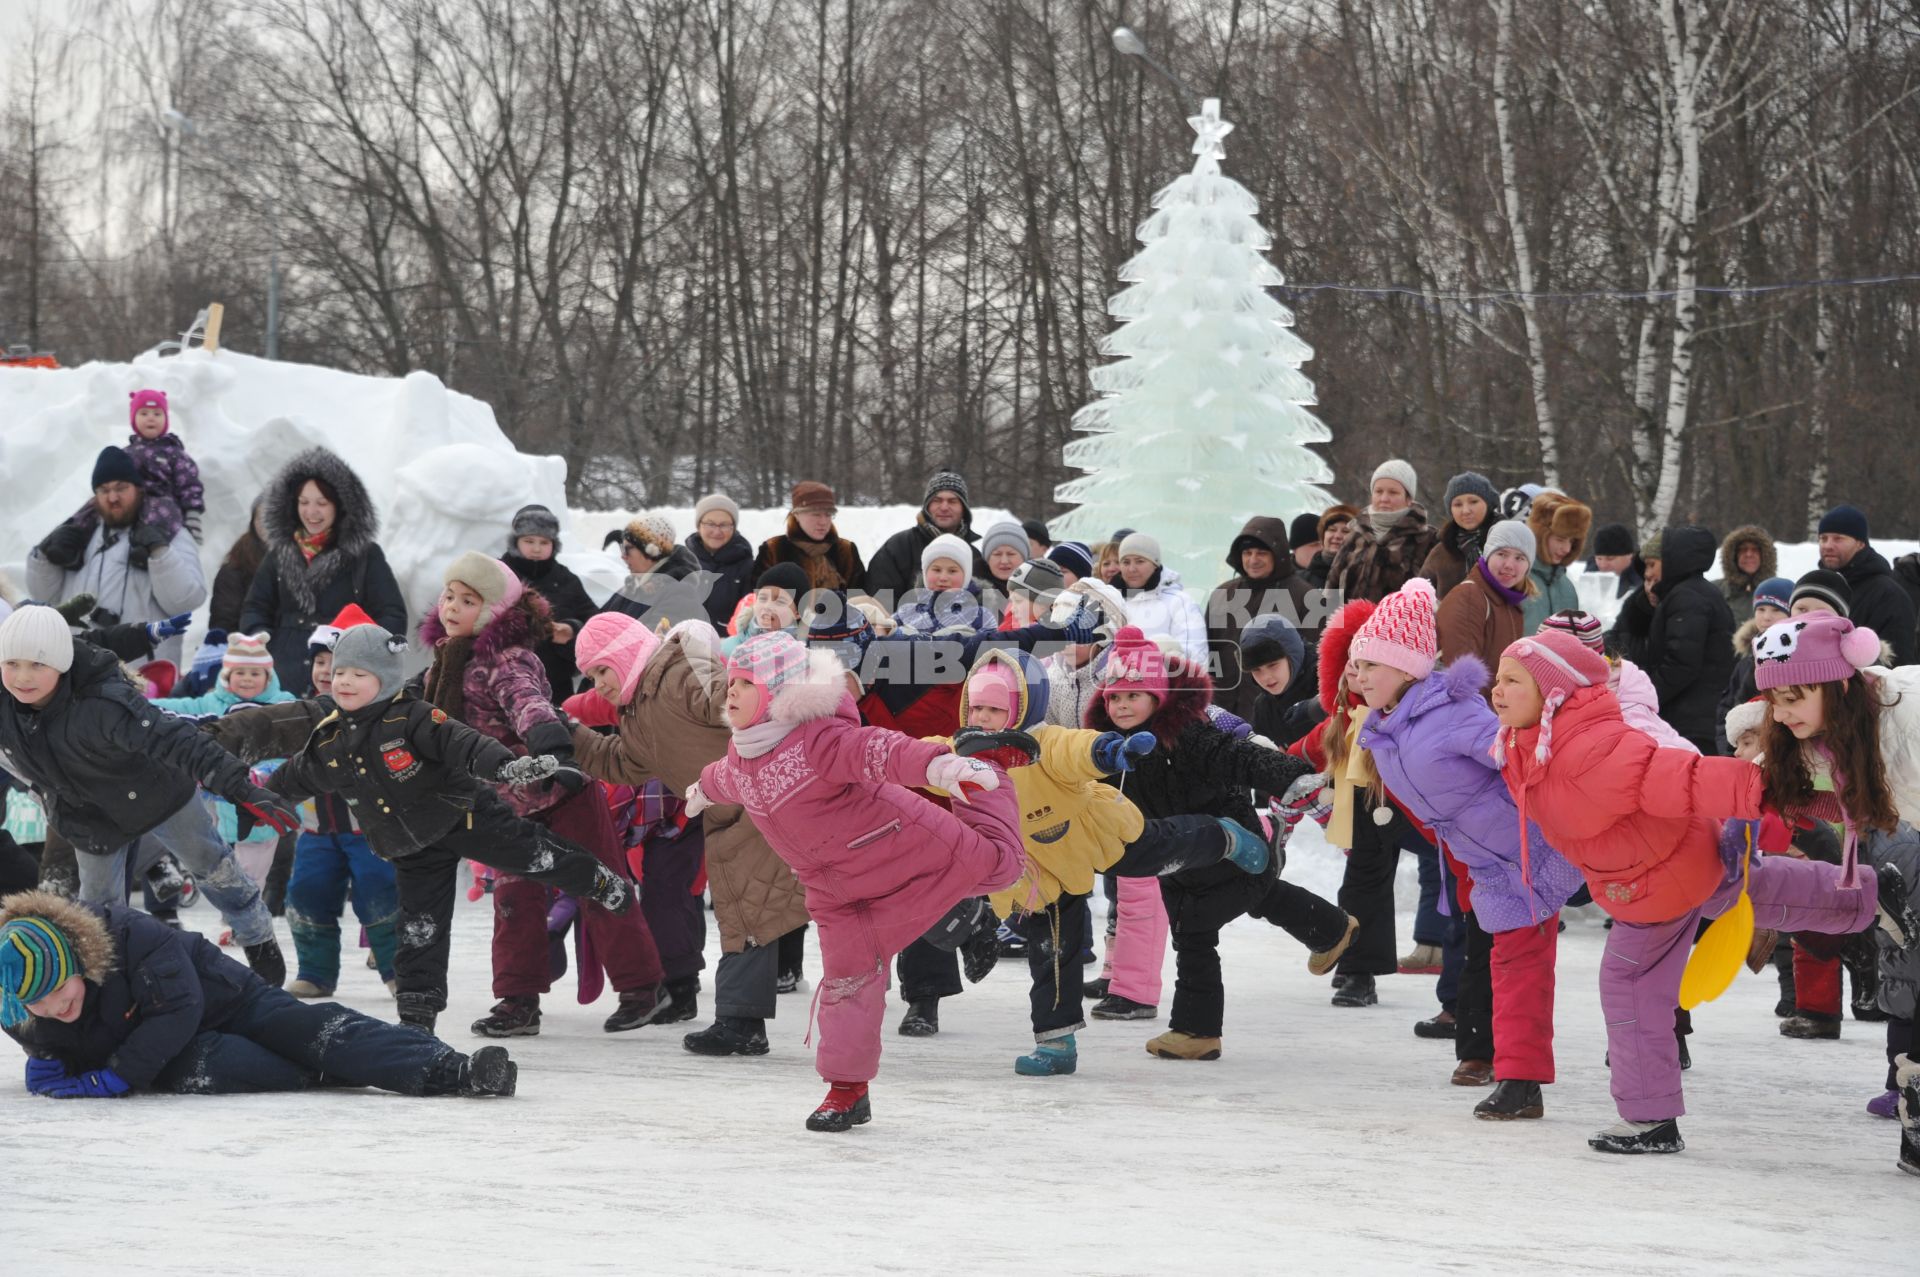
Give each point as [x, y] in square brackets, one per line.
[1212, 130]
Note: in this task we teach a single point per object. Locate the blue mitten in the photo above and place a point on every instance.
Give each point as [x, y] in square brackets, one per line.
[161, 631]
[42, 1075]
[1113, 753]
[94, 1084]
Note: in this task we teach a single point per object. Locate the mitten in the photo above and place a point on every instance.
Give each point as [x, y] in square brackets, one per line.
[94, 1084]
[520, 772]
[161, 631]
[66, 546]
[697, 801]
[960, 776]
[43, 1075]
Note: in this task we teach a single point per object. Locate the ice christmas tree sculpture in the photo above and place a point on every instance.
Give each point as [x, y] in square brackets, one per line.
[1202, 421]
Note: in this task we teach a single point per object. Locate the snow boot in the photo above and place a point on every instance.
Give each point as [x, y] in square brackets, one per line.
[1339, 980]
[1811, 1026]
[1886, 1104]
[305, 988]
[611, 891]
[1440, 1026]
[1639, 1137]
[1473, 1073]
[1117, 1007]
[787, 982]
[490, 1072]
[639, 1008]
[1322, 962]
[268, 962]
[515, 1016]
[1245, 849]
[845, 1107]
[167, 881]
[729, 1035]
[922, 1019]
[1760, 950]
[1511, 1101]
[1010, 748]
[958, 924]
[1783, 963]
[1358, 991]
[1423, 959]
[1011, 943]
[1175, 1045]
[1895, 914]
[1860, 956]
[1906, 1075]
[1053, 1058]
[415, 1014]
[980, 952]
[1097, 989]
[686, 1001]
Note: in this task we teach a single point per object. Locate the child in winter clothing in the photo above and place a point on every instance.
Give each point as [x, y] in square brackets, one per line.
[1639, 703]
[1157, 602]
[486, 674]
[1273, 658]
[533, 552]
[1770, 603]
[413, 776]
[949, 600]
[107, 1001]
[881, 865]
[174, 495]
[1639, 823]
[775, 605]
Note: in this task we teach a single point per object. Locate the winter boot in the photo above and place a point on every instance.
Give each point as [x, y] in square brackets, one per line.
[490, 1072]
[1010, 748]
[980, 952]
[268, 962]
[1760, 950]
[1175, 1045]
[1053, 1058]
[1895, 914]
[166, 880]
[1423, 959]
[686, 1001]
[1510, 1101]
[1011, 943]
[1358, 991]
[1246, 849]
[638, 1008]
[787, 982]
[1473, 1073]
[1783, 963]
[922, 1019]
[1116, 1007]
[1906, 1075]
[1885, 1104]
[1322, 962]
[305, 988]
[611, 891]
[1440, 1026]
[512, 1017]
[729, 1035]
[1097, 989]
[845, 1107]
[1639, 1137]
[1860, 955]
[1811, 1026]
[415, 1014]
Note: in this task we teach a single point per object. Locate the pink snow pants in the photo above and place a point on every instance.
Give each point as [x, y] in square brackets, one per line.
[1138, 954]
[1641, 968]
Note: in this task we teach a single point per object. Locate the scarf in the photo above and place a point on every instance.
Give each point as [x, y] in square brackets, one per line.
[1384, 521]
[1355, 775]
[447, 680]
[310, 546]
[752, 742]
[1512, 598]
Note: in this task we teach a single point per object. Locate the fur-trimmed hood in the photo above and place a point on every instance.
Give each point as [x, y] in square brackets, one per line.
[1189, 692]
[92, 946]
[819, 693]
[1030, 678]
[1334, 642]
[513, 627]
[1730, 566]
[355, 523]
[1557, 514]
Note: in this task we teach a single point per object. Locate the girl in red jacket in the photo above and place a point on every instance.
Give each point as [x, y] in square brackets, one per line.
[1640, 823]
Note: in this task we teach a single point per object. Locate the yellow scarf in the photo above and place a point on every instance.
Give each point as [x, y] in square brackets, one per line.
[1357, 774]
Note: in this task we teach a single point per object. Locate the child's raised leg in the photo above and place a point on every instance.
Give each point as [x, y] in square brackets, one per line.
[1639, 988]
[1790, 894]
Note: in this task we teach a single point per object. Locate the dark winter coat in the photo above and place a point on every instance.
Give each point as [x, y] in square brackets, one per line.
[1736, 586]
[1882, 604]
[895, 568]
[1242, 598]
[1628, 637]
[292, 596]
[1452, 558]
[105, 764]
[832, 564]
[1741, 686]
[1284, 717]
[1317, 569]
[503, 692]
[569, 602]
[233, 580]
[255, 733]
[732, 572]
[1689, 653]
[152, 993]
[1372, 565]
[674, 591]
[416, 771]
[1899, 994]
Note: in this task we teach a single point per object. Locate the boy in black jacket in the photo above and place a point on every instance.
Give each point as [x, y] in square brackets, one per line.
[413, 779]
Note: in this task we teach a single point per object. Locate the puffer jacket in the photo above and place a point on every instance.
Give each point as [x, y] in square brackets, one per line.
[1232, 605]
[1434, 753]
[1899, 994]
[1880, 602]
[1554, 514]
[1372, 564]
[1640, 705]
[1162, 609]
[569, 602]
[1689, 650]
[730, 574]
[1737, 587]
[1641, 823]
[167, 469]
[219, 701]
[503, 693]
[674, 725]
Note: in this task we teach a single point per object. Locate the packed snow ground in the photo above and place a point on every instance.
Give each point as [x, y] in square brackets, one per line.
[1324, 1140]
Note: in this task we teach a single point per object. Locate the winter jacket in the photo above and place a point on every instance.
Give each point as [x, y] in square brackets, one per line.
[1899, 994]
[1163, 609]
[1736, 586]
[964, 611]
[730, 572]
[1628, 637]
[219, 701]
[1689, 650]
[1640, 705]
[1475, 621]
[1434, 753]
[166, 470]
[1741, 686]
[232, 581]
[503, 695]
[1372, 564]
[254, 734]
[1318, 569]
[1880, 603]
[675, 590]
[167, 581]
[1640, 822]
[570, 604]
[421, 772]
[104, 763]
[1072, 689]
[895, 567]
[1553, 592]
[1554, 514]
[673, 726]
[292, 595]
[1233, 605]
[1283, 717]
[150, 990]
[832, 564]
[1453, 555]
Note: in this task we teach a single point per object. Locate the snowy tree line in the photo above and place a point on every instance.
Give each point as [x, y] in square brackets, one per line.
[855, 240]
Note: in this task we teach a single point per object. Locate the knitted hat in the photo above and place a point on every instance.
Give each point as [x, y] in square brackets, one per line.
[1135, 664]
[114, 465]
[1584, 626]
[1119, 535]
[247, 651]
[1036, 531]
[621, 643]
[1747, 716]
[1071, 556]
[1825, 587]
[1303, 531]
[790, 577]
[1775, 591]
[36, 632]
[716, 501]
[1510, 534]
[1612, 539]
[1401, 632]
[1037, 579]
[810, 494]
[993, 684]
[35, 959]
[1140, 543]
[1270, 637]
[138, 399]
[1818, 647]
[495, 583]
[839, 622]
[947, 481]
[1561, 665]
[1471, 484]
[1336, 514]
[1005, 535]
[769, 662]
[373, 649]
[325, 636]
[1650, 551]
[1845, 520]
[1401, 473]
[650, 534]
[536, 521]
[947, 546]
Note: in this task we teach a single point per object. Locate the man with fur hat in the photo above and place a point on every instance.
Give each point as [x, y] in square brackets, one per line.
[944, 510]
[1559, 525]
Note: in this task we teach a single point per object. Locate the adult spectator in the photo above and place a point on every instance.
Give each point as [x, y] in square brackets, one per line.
[1690, 639]
[533, 554]
[1559, 525]
[1156, 601]
[944, 509]
[133, 570]
[1264, 581]
[1613, 551]
[723, 554]
[235, 575]
[1303, 539]
[1335, 526]
[812, 544]
[1821, 591]
[1390, 540]
[1039, 540]
[1747, 557]
[1471, 501]
[1879, 602]
[1628, 637]
[1003, 548]
[664, 582]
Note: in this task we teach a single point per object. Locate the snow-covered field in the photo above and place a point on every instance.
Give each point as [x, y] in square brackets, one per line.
[1324, 1140]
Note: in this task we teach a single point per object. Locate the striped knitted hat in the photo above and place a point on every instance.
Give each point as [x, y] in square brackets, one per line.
[1584, 626]
[769, 661]
[35, 959]
[247, 651]
[1401, 633]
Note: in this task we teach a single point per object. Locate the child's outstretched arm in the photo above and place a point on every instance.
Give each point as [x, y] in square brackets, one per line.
[874, 755]
[440, 739]
[255, 733]
[1243, 763]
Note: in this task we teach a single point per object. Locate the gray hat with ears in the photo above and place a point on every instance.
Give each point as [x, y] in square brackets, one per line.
[379, 653]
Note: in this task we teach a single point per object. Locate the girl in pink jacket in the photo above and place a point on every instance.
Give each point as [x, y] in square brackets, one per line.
[881, 865]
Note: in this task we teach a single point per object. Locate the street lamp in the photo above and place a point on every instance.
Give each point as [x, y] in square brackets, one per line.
[1127, 41]
[185, 126]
